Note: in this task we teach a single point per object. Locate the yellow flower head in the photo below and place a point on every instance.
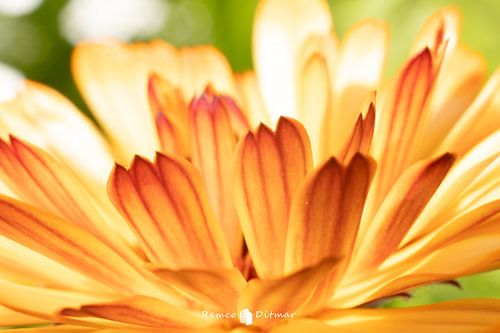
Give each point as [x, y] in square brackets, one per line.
[291, 198]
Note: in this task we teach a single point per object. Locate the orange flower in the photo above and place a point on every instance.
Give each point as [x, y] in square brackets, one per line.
[291, 229]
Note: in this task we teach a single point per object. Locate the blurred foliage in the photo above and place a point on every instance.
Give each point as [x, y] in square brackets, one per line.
[33, 43]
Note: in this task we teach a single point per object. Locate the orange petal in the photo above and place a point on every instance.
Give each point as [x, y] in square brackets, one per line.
[43, 181]
[400, 209]
[326, 211]
[145, 311]
[279, 31]
[170, 111]
[219, 289]
[361, 137]
[462, 316]
[166, 206]
[43, 116]
[10, 317]
[401, 119]
[214, 140]
[361, 63]
[460, 81]
[113, 78]
[269, 168]
[285, 295]
[67, 244]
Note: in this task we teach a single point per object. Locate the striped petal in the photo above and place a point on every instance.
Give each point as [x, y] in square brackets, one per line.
[113, 79]
[400, 209]
[326, 211]
[39, 179]
[279, 31]
[166, 206]
[401, 120]
[216, 124]
[67, 244]
[46, 118]
[269, 168]
[218, 290]
[462, 316]
[286, 295]
[143, 311]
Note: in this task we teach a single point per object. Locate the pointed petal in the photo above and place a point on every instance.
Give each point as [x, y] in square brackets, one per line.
[326, 212]
[401, 119]
[39, 179]
[400, 209]
[145, 311]
[46, 118]
[210, 121]
[67, 244]
[166, 206]
[280, 29]
[361, 63]
[269, 168]
[219, 289]
[113, 78]
[286, 295]
[171, 114]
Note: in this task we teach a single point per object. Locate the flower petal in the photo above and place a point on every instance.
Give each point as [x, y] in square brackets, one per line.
[401, 119]
[269, 168]
[166, 206]
[287, 294]
[252, 99]
[67, 244]
[219, 289]
[462, 316]
[145, 311]
[326, 211]
[214, 140]
[280, 29]
[113, 78]
[400, 209]
[39, 179]
[46, 118]
[10, 317]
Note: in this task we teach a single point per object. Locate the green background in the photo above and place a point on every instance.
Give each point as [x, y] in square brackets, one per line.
[33, 44]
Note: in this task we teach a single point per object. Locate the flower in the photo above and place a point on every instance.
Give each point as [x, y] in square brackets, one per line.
[291, 229]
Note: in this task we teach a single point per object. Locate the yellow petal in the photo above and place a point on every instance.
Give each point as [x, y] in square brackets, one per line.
[218, 289]
[252, 99]
[171, 115]
[46, 118]
[460, 80]
[39, 179]
[279, 31]
[144, 311]
[326, 212]
[10, 317]
[67, 244]
[479, 120]
[463, 316]
[166, 206]
[214, 140]
[361, 63]
[401, 207]
[269, 168]
[285, 295]
[401, 120]
[113, 79]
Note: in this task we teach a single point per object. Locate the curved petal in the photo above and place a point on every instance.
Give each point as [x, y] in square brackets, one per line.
[167, 207]
[269, 167]
[113, 79]
[279, 31]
